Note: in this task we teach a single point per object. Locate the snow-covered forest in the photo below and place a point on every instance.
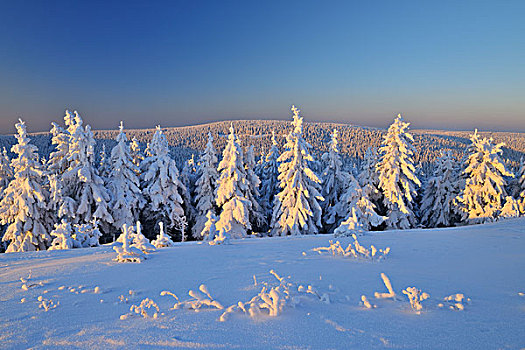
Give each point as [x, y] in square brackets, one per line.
[75, 187]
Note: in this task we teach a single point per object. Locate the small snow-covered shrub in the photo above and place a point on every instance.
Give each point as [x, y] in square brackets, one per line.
[209, 230]
[62, 234]
[86, 235]
[415, 296]
[199, 299]
[354, 251]
[47, 304]
[141, 242]
[511, 209]
[222, 237]
[455, 301]
[163, 240]
[142, 309]
[127, 253]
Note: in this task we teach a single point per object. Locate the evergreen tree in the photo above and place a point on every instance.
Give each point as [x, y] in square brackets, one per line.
[123, 184]
[481, 199]
[520, 186]
[269, 178]
[354, 206]
[81, 181]
[397, 179]
[437, 208]
[6, 172]
[335, 183]
[232, 192]
[205, 187]
[58, 160]
[256, 212]
[103, 166]
[136, 154]
[161, 186]
[296, 207]
[188, 177]
[23, 206]
[369, 177]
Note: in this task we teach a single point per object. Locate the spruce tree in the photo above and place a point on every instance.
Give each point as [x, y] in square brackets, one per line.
[232, 192]
[296, 209]
[256, 212]
[269, 178]
[162, 188]
[397, 178]
[205, 187]
[23, 206]
[482, 197]
[437, 206]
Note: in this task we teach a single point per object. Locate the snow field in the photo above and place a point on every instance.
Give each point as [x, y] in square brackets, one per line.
[75, 298]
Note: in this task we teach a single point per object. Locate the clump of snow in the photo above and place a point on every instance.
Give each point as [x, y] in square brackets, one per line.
[126, 252]
[354, 251]
[163, 240]
[415, 296]
[199, 299]
[141, 242]
[391, 294]
[366, 303]
[455, 301]
[145, 306]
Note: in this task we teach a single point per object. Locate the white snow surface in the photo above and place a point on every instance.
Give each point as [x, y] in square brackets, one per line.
[84, 293]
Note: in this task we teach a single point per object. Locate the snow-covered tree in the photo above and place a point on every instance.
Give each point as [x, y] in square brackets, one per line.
[6, 172]
[63, 236]
[296, 207]
[58, 160]
[481, 199]
[123, 183]
[269, 177]
[232, 191]
[188, 177]
[86, 235]
[161, 186]
[136, 154]
[437, 206]
[510, 209]
[520, 186]
[355, 203]
[103, 165]
[256, 212]
[209, 231]
[23, 206]
[163, 240]
[397, 179]
[368, 176]
[205, 187]
[81, 181]
[335, 183]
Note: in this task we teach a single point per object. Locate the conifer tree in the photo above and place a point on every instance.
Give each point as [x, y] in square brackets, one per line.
[397, 179]
[437, 206]
[335, 183]
[256, 212]
[136, 154]
[296, 209]
[162, 187]
[188, 177]
[269, 178]
[205, 187]
[23, 206]
[232, 192]
[123, 184]
[6, 172]
[369, 177]
[482, 197]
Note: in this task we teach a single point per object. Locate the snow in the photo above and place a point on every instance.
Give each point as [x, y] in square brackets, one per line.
[473, 275]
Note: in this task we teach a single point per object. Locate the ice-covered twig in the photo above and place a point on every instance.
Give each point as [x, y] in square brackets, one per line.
[366, 303]
[354, 251]
[388, 285]
[415, 296]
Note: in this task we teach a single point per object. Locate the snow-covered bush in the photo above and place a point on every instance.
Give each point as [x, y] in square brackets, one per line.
[296, 208]
[199, 299]
[354, 251]
[455, 301]
[62, 234]
[163, 240]
[125, 252]
[481, 199]
[141, 242]
[232, 192]
[511, 209]
[209, 231]
[351, 226]
[415, 296]
[86, 235]
[147, 309]
[397, 178]
[23, 204]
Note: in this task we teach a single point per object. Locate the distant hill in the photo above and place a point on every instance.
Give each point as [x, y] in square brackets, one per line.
[354, 140]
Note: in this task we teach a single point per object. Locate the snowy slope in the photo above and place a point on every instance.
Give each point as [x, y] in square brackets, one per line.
[485, 262]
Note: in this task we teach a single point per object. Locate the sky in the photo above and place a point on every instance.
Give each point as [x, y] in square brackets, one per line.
[442, 64]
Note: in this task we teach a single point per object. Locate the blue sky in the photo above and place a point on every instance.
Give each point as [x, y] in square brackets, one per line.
[443, 64]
